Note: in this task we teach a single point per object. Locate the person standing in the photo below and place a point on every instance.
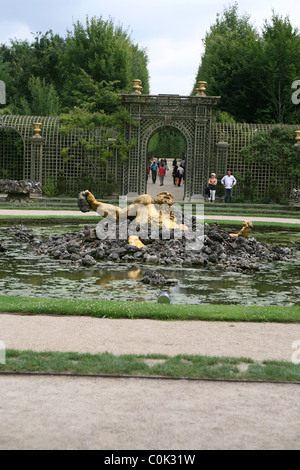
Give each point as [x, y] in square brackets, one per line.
[212, 184]
[228, 182]
[174, 173]
[162, 173]
[180, 174]
[154, 169]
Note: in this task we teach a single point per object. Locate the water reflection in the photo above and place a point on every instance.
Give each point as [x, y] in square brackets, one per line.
[22, 273]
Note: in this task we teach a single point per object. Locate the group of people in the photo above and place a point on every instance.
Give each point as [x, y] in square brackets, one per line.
[228, 181]
[158, 168]
[178, 172]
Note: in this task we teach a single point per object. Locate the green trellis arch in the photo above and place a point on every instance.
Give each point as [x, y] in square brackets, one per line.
[191, 115]
[151, 131]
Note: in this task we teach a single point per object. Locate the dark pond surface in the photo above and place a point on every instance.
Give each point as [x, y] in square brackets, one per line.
[22, 273]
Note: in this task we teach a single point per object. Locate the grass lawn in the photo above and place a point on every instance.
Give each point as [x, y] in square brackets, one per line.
[151, 365]
[117, 309]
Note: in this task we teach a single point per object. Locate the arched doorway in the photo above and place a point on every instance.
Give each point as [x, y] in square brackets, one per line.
[165, 146]
[191, 116]
[11, 154]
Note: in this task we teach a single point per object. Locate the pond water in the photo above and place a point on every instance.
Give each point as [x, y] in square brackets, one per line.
[22, 273]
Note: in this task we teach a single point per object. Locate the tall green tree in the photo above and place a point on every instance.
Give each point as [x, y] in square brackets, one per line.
[92, 64]
[280, 66]
[105, 53]
[252, 73]
[43, 99]
[229, 64]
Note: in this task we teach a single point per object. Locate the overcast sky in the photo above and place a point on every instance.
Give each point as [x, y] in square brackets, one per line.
[170, 30]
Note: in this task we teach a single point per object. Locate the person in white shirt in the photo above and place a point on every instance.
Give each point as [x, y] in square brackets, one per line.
[180, 174]
[228, 182]
[212, 184]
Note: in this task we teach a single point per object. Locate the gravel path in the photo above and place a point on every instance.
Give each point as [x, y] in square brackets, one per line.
[35, 213]
[129, 414]
[258, 341]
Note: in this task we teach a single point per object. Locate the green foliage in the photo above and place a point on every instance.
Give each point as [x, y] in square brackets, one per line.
[275, 192]
[228, 64]
[279, 66]
[4, 173]
[252, 72]
[87, 69]
[224, 117]
[80, 121]
[50, 188]
[85, 125]
[108, 187]
[275, 148]
[247, 185]
[99, 53]
[220, 191]
[167, 143]
[43, 100]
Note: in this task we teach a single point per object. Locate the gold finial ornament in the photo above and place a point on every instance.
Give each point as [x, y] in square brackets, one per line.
[200, 91]
[37, 129]
[136, 85]
[297, 137]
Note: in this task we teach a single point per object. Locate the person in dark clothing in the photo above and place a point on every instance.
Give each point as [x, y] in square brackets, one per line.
[174, 174]
[154, 170]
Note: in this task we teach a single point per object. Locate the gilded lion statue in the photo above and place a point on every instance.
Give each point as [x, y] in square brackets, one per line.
[245, 231]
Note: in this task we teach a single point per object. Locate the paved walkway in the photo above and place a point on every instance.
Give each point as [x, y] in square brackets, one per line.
[258, 341]
[51, 213]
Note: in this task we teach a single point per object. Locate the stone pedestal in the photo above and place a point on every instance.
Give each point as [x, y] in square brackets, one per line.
[20, 190]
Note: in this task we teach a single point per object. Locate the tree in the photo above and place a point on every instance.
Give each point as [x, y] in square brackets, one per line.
[167, 143]
[105, 54]
[229, 63]
[93, 63]
[280, 66]
[252, 73]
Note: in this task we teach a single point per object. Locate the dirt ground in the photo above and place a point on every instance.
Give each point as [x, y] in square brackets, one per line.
[137, 414]
[258, 341]
[39, 412]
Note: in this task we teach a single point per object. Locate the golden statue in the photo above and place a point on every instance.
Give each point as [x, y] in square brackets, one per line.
[143, 210]
[245, 231]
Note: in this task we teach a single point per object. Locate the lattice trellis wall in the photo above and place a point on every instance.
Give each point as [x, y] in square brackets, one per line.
[238, 136]
[11, 154]
[77, 171]
[203, 138]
